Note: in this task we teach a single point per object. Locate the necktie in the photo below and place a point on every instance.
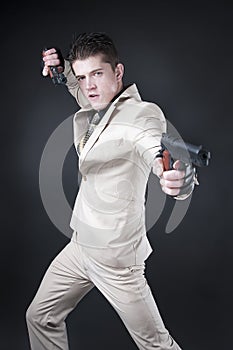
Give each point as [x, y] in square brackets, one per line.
[94, 122]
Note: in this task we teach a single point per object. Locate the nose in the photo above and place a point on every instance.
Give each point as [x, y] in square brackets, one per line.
[90, 85]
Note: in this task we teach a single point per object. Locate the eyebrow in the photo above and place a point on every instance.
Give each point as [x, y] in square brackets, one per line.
[93, 71]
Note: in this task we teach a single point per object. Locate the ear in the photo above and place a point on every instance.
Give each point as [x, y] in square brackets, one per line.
[119, 71]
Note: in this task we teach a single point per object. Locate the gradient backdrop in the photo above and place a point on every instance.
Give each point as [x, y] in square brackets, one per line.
[180, 55]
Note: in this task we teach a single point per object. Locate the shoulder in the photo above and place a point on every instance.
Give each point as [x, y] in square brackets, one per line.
[141, 110]
[150, 108]
[131, 99]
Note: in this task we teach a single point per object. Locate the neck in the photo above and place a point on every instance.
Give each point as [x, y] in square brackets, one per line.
[119, 91]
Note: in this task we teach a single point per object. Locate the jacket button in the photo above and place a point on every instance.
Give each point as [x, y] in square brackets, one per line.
[84, 178]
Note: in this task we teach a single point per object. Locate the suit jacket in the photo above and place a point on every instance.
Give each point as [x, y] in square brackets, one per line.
[109, 212]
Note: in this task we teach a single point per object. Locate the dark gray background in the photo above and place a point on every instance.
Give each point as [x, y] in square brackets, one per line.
[180, 55]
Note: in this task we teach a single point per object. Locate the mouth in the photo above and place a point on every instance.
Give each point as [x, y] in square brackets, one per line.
[93, 97]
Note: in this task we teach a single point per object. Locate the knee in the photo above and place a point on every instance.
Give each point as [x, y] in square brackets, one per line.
[35, 315]
[39, 317]
[31, 314]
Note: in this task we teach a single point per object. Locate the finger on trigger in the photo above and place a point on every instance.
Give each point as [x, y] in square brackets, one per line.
[177, 165]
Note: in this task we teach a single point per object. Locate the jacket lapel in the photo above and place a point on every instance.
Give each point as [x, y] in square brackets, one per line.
[96, 133]
[80, 125]
[81, 122]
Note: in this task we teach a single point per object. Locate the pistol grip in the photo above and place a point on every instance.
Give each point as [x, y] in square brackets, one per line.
[166, 160]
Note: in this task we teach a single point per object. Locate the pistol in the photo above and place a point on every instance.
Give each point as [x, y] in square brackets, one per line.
[56, 72]
[174, 148]
[57, 76]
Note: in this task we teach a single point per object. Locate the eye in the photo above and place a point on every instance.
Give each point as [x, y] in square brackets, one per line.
[98, 73]
[80, 78]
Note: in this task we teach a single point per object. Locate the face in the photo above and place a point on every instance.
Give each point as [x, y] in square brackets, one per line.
[97, 80]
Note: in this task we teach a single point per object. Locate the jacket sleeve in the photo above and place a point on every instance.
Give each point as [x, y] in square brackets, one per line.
[73, 86]
[148, 143]
[150, 127]
[72, 83]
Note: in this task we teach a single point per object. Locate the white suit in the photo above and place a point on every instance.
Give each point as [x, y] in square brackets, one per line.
[109, 243]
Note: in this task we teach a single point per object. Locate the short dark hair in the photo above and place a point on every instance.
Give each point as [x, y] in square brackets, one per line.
[91, 44]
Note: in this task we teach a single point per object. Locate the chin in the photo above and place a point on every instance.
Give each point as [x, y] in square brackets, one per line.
[99, 106]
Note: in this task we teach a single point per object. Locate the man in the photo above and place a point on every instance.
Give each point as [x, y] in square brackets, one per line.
[117, 137]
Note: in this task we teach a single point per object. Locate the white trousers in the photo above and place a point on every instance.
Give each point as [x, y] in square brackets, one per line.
[71, 275]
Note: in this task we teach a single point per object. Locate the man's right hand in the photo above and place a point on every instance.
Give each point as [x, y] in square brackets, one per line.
[52, 57]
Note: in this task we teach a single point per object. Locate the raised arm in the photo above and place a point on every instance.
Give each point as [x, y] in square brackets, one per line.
[53, 58]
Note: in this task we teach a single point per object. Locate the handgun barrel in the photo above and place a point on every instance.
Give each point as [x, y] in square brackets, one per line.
[186, 152]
